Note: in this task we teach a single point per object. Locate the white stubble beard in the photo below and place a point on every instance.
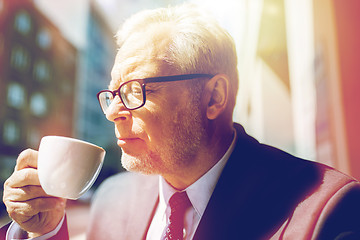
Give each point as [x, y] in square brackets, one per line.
[178, 148]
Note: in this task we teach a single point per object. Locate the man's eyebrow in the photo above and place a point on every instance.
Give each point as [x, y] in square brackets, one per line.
[113, 86]
[116, 80]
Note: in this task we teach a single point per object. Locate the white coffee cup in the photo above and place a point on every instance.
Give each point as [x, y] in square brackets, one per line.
[68, 167]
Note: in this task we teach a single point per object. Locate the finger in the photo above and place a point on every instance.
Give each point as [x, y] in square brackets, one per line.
[22, 211]
[27, 159]
[23, 194]
[23, 177]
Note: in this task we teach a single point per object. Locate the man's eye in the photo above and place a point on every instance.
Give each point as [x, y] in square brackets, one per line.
[136, 90]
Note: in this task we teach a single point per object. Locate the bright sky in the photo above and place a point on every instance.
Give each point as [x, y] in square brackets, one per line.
[70, 16]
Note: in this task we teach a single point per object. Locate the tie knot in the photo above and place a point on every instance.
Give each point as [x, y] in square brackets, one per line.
[179, 202]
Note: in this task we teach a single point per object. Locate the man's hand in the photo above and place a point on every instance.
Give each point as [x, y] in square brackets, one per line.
[25, 200]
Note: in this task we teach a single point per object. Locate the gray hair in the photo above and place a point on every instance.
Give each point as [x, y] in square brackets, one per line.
[198, 45]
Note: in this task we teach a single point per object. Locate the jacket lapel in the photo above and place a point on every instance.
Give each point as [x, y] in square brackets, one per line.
[258, 189]
[143, 207]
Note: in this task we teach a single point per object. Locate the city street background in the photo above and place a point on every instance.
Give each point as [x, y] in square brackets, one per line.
[298, 67]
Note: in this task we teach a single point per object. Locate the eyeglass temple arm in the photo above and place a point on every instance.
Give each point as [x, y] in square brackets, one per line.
[176, 78]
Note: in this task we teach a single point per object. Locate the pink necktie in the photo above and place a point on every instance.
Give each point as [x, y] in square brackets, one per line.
[179, 202]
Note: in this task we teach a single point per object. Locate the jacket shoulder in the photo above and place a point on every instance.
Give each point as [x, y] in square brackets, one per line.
[116, 203]
[308, 198]
[329, 211]
[119, 190]
[3, 230]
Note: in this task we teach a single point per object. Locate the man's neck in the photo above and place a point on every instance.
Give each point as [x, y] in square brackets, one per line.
[206, 158]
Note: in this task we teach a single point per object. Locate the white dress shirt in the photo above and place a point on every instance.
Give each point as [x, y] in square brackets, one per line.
[199, 194]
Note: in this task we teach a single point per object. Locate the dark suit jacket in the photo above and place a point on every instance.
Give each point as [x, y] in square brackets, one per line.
[263, 193]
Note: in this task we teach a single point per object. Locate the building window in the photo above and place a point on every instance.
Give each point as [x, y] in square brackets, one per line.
[38, 104]
[11, 132]
[42, 71]
[23, 22]
[16, 95]
[43, 39]
[20, 58]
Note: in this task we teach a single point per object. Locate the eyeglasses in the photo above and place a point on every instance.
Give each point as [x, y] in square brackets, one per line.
[133, 94]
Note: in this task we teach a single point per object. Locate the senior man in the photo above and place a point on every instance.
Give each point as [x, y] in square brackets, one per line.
[199, 175]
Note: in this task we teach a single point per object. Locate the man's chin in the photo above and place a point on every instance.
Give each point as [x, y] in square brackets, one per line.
[137, 164]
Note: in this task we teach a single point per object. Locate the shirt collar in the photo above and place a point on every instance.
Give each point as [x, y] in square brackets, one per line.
[200, 191]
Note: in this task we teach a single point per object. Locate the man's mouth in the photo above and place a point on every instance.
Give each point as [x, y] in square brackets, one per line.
[126, 141]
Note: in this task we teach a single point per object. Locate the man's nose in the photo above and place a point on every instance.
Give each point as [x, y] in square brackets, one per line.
[117, 111]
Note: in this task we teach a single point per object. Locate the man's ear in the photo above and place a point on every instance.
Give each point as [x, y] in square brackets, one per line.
[218, 94]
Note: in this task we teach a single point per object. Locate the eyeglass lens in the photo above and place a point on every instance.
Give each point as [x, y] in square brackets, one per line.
[131, 94]
[105, 99]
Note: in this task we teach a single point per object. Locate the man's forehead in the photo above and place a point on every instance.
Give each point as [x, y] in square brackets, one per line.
[141, 57]
[126, 67]
[137, 69]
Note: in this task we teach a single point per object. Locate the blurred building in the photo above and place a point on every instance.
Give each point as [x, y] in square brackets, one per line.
[48, 87]
[37, 78]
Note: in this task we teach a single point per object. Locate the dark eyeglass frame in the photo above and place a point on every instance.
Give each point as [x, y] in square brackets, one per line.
[144, 81]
